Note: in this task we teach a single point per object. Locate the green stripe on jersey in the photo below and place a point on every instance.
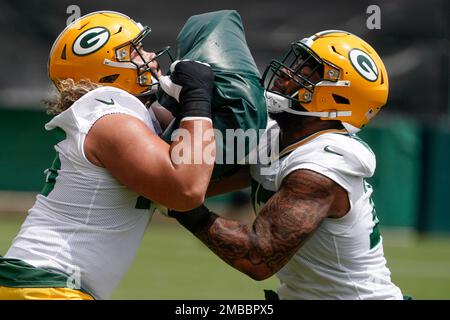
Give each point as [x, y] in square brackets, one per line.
[16, 273]
[52, 172]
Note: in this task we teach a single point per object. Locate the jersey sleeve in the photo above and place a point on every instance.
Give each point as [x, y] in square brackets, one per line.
[341, 158]
[82, 115]
[105, 101]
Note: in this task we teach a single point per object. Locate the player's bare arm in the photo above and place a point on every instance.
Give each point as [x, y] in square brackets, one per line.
[116, 141]
[284, 224]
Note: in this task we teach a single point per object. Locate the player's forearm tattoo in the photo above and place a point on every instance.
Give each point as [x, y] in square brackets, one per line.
[283, 225]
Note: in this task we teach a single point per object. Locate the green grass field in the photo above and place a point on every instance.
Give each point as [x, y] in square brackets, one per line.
[172, 264]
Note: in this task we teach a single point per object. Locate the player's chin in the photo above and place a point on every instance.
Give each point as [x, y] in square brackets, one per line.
[282, 118]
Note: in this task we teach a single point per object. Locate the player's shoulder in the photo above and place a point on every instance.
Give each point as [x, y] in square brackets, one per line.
[108, 96]
[342, 152]
[96, 104]
[107, 100]
[351, 143]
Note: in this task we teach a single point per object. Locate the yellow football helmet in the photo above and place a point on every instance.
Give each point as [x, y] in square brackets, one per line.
[352, 88]
[97, 47]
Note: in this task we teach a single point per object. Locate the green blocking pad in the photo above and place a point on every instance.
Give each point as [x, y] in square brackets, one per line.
[238, 98]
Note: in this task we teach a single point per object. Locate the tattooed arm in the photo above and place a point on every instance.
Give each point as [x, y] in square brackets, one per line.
[287, 220]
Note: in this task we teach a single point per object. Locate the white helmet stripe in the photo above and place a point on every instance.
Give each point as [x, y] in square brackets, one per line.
[309, 41]
[325, 32]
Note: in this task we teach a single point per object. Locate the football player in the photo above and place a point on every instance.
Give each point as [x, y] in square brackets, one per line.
[316, 227]
[84, 229]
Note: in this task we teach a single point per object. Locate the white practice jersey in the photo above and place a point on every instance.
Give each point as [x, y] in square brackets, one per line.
[85, 224]
[344, 257]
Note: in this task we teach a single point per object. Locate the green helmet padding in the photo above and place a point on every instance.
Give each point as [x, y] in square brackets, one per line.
[238, 97]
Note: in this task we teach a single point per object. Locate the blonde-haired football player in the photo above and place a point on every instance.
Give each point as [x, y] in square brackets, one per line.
[84, 229]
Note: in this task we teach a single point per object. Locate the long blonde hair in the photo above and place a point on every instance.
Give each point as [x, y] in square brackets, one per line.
[69, 92]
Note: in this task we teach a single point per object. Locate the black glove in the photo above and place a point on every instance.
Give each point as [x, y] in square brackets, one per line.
[191, 84]
[194, 220]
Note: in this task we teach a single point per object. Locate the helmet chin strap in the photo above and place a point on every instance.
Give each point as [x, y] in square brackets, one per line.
[277, 103]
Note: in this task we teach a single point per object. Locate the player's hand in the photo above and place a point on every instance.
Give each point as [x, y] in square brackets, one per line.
[190, 83]
[194, 220]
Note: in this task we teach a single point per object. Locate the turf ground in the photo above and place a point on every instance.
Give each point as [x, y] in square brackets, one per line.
[172, 264]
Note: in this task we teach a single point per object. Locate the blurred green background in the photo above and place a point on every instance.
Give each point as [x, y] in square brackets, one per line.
[172, 264]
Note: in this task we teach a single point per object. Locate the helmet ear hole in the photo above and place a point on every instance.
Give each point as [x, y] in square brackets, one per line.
[340, 99]
[109, 79]
[334, 49]
[63, 53]
[118, 31]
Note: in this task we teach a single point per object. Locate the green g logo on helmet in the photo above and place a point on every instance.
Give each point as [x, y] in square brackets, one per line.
[90, 41]
[364, 64]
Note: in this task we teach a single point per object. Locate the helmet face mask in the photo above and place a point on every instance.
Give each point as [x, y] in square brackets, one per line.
[301, 86]
[333, 75]
[144, 68]
[290, 69]
[123, 53]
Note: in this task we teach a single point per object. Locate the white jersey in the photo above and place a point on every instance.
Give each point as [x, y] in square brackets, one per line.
[344, 257]
[85, 224]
